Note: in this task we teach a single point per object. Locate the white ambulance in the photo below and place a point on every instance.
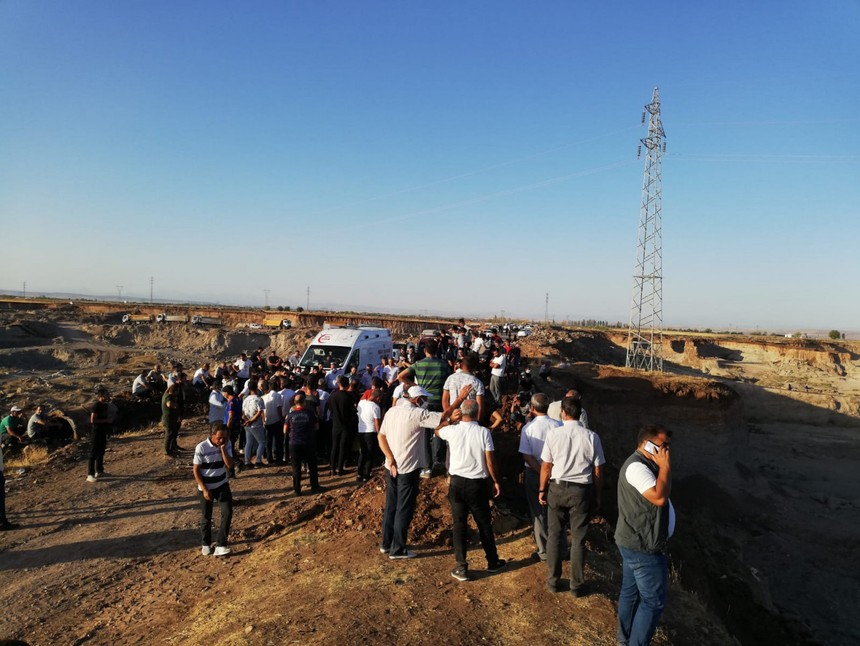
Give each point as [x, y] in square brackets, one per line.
[348, 346]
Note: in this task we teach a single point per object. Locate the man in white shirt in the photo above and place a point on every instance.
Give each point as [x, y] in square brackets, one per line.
[217, 406]
[243, 370]
[466, 377]
[369, 421]
[331, 377]
[294, 359]
[274, 422]
[532, 439]
[202, 378]
[391, 371]
[497, 371]
[646, 522]
[400, 438]
[255, 431]
[571, 476]
[471, 467]
[554, 409]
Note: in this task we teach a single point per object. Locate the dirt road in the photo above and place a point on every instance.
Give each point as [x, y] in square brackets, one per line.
[118, 562]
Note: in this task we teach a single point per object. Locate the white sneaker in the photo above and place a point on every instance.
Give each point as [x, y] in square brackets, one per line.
[222, 550]
[91, 479]
[406, 555]
[426, 473]
[382, 550]
[205, 550]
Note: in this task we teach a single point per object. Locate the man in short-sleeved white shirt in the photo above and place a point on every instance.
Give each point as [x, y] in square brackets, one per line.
[646, 522]
[466, 377]
[497, 371]
[274, 422]
[554, 409]
[571, 478]
[532, 439]
[369, 421]
[400, 440]
[471, 466]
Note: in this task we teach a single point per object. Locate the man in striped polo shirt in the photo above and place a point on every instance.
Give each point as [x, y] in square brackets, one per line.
[430, 373]
[212, 458]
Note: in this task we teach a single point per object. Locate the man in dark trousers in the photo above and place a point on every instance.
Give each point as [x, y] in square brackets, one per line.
[100, 422]
[646, 522]
[344, 424]
[473, 481]
[300, 427]
[213, 457]
[571, 481]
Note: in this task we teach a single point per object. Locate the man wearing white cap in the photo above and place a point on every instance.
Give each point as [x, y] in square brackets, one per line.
[13, 427]
[400, 440]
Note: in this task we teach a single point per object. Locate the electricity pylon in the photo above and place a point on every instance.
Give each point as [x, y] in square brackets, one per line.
[645, 335]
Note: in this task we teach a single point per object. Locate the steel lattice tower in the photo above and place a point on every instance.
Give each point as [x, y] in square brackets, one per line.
[645, 336]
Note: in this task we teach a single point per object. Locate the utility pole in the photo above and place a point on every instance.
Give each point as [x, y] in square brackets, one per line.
[151, 281]
[266, 292]
[119, 291]
[546, 309]
[308, 303]
[24, 289]
[645, 333]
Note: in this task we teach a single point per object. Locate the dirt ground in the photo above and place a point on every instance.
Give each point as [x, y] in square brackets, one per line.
[766, 493]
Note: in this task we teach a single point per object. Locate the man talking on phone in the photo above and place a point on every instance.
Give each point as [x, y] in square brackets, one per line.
[646, 521]
[213, 458]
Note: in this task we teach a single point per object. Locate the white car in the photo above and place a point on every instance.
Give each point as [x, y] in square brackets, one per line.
[255, 326]
[522, 334]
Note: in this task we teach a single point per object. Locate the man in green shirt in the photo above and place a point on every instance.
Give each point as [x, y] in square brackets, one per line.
[13, 427]
[430, 373]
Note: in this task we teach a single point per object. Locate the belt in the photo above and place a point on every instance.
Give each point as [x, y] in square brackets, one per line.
[568, 483]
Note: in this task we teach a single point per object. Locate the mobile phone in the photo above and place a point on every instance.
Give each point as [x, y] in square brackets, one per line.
[651, 447]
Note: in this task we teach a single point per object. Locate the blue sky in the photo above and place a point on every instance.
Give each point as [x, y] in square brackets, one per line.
[448, 157]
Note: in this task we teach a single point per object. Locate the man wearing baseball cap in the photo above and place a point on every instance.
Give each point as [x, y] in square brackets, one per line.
[400, 439]
[5, 525]
[13, 427]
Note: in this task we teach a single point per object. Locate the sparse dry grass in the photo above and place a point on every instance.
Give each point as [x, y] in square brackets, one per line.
[30, 456]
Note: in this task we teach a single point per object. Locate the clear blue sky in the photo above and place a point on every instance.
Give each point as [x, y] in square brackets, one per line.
[447, 156]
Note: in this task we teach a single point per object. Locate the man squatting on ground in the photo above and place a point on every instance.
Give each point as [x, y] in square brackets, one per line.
[473, 480]
[213, 457]
[646, 522]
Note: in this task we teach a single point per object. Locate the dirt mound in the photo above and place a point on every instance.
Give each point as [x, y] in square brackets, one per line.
[565, 345]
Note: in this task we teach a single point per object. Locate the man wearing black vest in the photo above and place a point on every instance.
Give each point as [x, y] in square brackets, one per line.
[646, 521]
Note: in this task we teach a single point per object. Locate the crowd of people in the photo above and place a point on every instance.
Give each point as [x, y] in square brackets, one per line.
[424, 414]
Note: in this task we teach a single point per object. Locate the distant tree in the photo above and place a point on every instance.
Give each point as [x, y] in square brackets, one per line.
[287, 308]
[300, 309]
[266, 307]
[834, 334]
[280, 308]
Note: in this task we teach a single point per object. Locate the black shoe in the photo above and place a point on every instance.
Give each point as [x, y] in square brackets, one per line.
[6, 526]
[317, 489]
[581, 591]
[497, 566]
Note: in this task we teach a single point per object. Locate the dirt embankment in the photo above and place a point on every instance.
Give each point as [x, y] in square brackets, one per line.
[764, 487]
